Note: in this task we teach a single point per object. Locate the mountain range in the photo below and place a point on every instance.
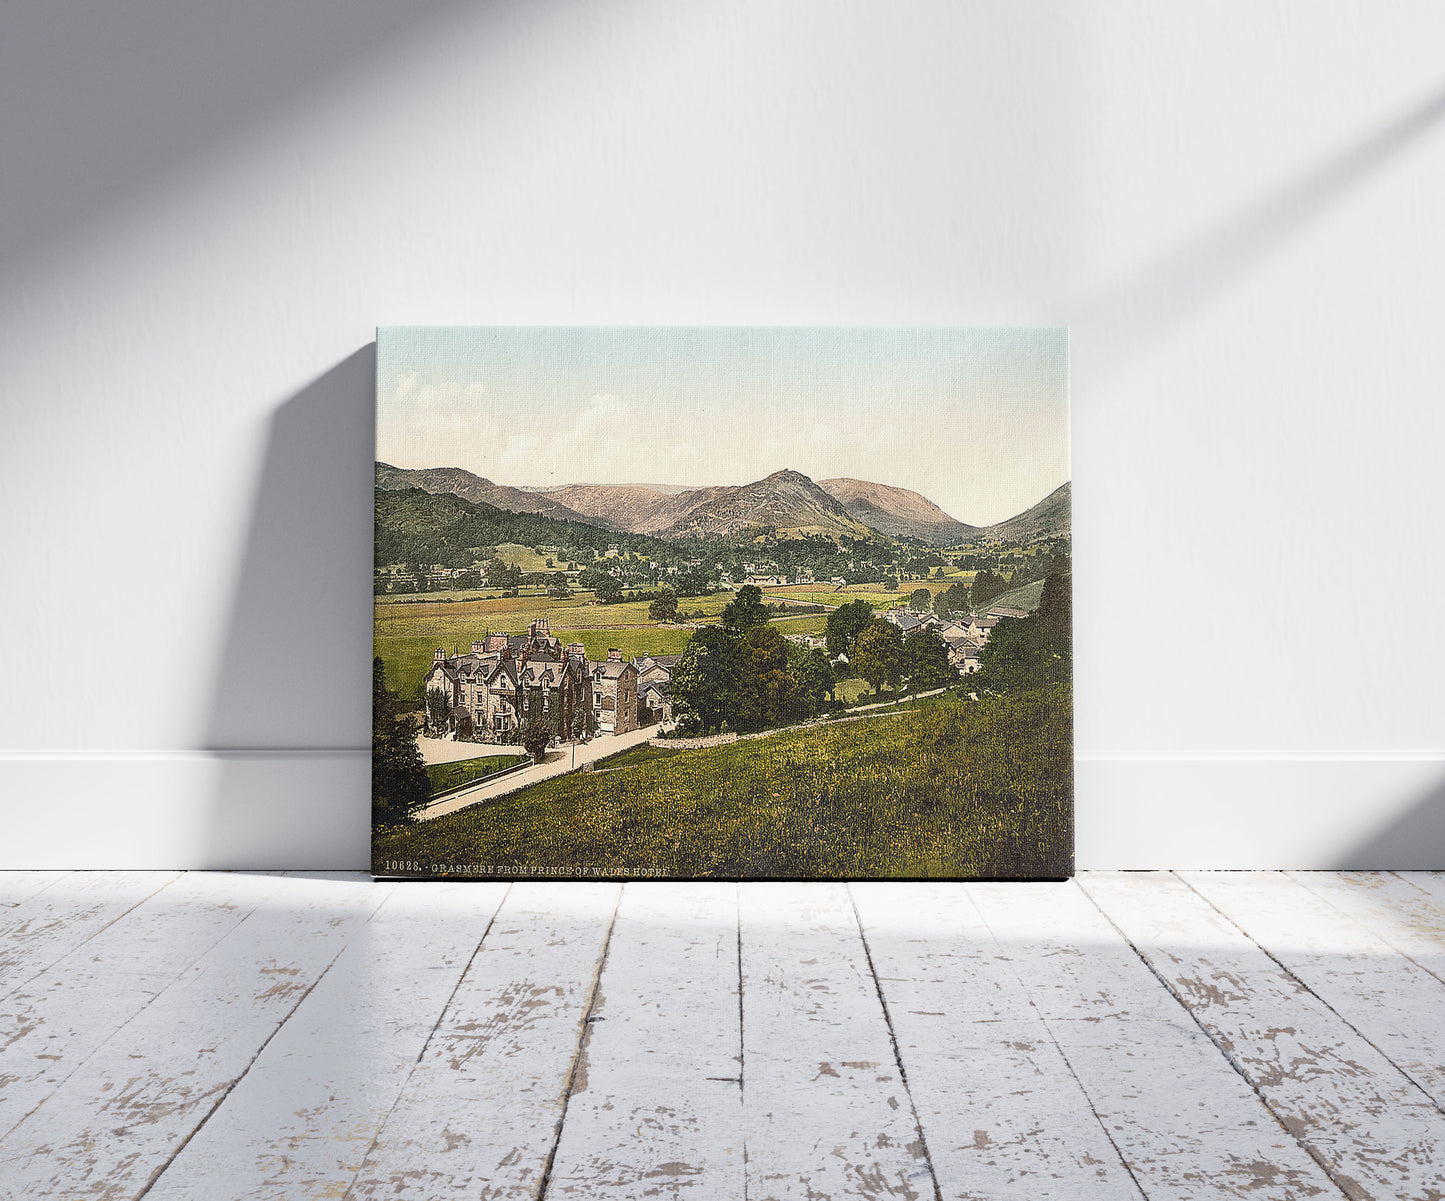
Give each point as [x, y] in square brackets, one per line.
[786, 502]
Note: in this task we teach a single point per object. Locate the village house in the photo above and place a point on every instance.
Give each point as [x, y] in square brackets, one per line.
[903, 619]
[507, 675]
[614, 687]
[654, 686]
[1005, 611]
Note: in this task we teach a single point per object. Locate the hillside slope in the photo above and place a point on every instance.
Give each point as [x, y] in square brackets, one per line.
[1052, 517]
[456, 481]
[786, 502]
[898, 512]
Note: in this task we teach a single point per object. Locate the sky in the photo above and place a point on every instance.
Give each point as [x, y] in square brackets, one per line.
[975, 419]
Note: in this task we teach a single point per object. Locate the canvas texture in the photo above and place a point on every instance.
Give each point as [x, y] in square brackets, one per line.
[722, 603]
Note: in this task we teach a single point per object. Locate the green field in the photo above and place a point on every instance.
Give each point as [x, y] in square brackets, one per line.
[405, 636]
[958, 789]
[464, 771]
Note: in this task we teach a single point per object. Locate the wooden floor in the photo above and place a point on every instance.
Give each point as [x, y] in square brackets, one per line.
[1189, 1035]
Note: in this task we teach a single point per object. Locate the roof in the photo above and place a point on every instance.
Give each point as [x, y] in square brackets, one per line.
[611, 668]
[661, 687]
[1007, 611]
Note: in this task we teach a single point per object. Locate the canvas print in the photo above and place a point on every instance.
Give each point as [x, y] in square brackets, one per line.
[722, 603]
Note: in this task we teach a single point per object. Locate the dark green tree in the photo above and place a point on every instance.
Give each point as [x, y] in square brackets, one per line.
[745, 610]
[988, 586]
[925, 662]
[536, 734]
[558, 587]
[878, 654]
[706, 679]
[920, 599]
[608, 590]
[664, 607]
[813, 671]
[1030, 652]
[768, 694]
[952, 602]
[399, 784]
[845, 624]
[438, 710]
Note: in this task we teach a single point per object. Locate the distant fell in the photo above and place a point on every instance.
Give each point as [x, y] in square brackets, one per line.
[786, 502]
[898, 512]
[458, 482]
[1052, 517]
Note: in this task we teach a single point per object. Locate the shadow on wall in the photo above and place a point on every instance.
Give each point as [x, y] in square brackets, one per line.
[1128, 317]
[290, 716]
[117, 97]
[1414, 841]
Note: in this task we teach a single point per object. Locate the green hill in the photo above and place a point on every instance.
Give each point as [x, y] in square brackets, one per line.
[1025, 597]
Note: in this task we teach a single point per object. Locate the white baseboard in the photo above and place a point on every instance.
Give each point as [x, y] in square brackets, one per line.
[309, 809]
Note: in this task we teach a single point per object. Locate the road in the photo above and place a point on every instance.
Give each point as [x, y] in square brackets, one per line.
[558, 762]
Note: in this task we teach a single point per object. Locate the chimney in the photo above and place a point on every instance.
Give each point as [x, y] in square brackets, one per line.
[439, 656]
[540, 628]
[575, 650]
[614, 655]
[479, 648]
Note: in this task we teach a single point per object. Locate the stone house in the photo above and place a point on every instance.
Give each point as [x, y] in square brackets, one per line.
[504, 674]
[615, 695]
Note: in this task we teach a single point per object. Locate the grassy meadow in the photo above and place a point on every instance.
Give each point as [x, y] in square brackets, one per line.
[464, 771]
[406, 635]
[954, 789]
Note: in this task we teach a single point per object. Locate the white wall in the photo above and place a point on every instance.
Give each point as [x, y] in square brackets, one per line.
[205, 208]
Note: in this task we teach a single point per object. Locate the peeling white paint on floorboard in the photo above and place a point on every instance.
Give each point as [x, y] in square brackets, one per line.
[1185, 1123]
[49, 924]
[302, 1120]
[480, 1115]
[826, 1111]
[656, 1106]
[122, 1116]
[975, 1049]
[1260, 1035]
[1311, 1067]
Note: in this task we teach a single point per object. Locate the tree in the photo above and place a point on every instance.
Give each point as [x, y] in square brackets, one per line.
[608, 590]
[558, 587]
[988, 586]
[438, 709]
[920, 599]
[844, 626]
[925, 662]
[399, 784]
[767, 693]
[706, 678]
[664, 608]
[952, 602]
[1030, 652]
[814, 674]
[878, 654]
[536, 734]
[745, 610]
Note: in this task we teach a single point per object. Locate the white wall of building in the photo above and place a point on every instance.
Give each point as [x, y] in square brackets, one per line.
[205, 208]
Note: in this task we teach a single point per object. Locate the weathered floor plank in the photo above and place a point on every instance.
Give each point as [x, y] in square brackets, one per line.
[1002, 1114]
[656, 1108]
[49, 924]
[300, 1123]
[1375, 1131]
[1186, 1124]
[826, 1111]
[479, 1116]
[1404, 909]
[16, 887]
[115, 1123]
[50, 1025]
[1392, 1002]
